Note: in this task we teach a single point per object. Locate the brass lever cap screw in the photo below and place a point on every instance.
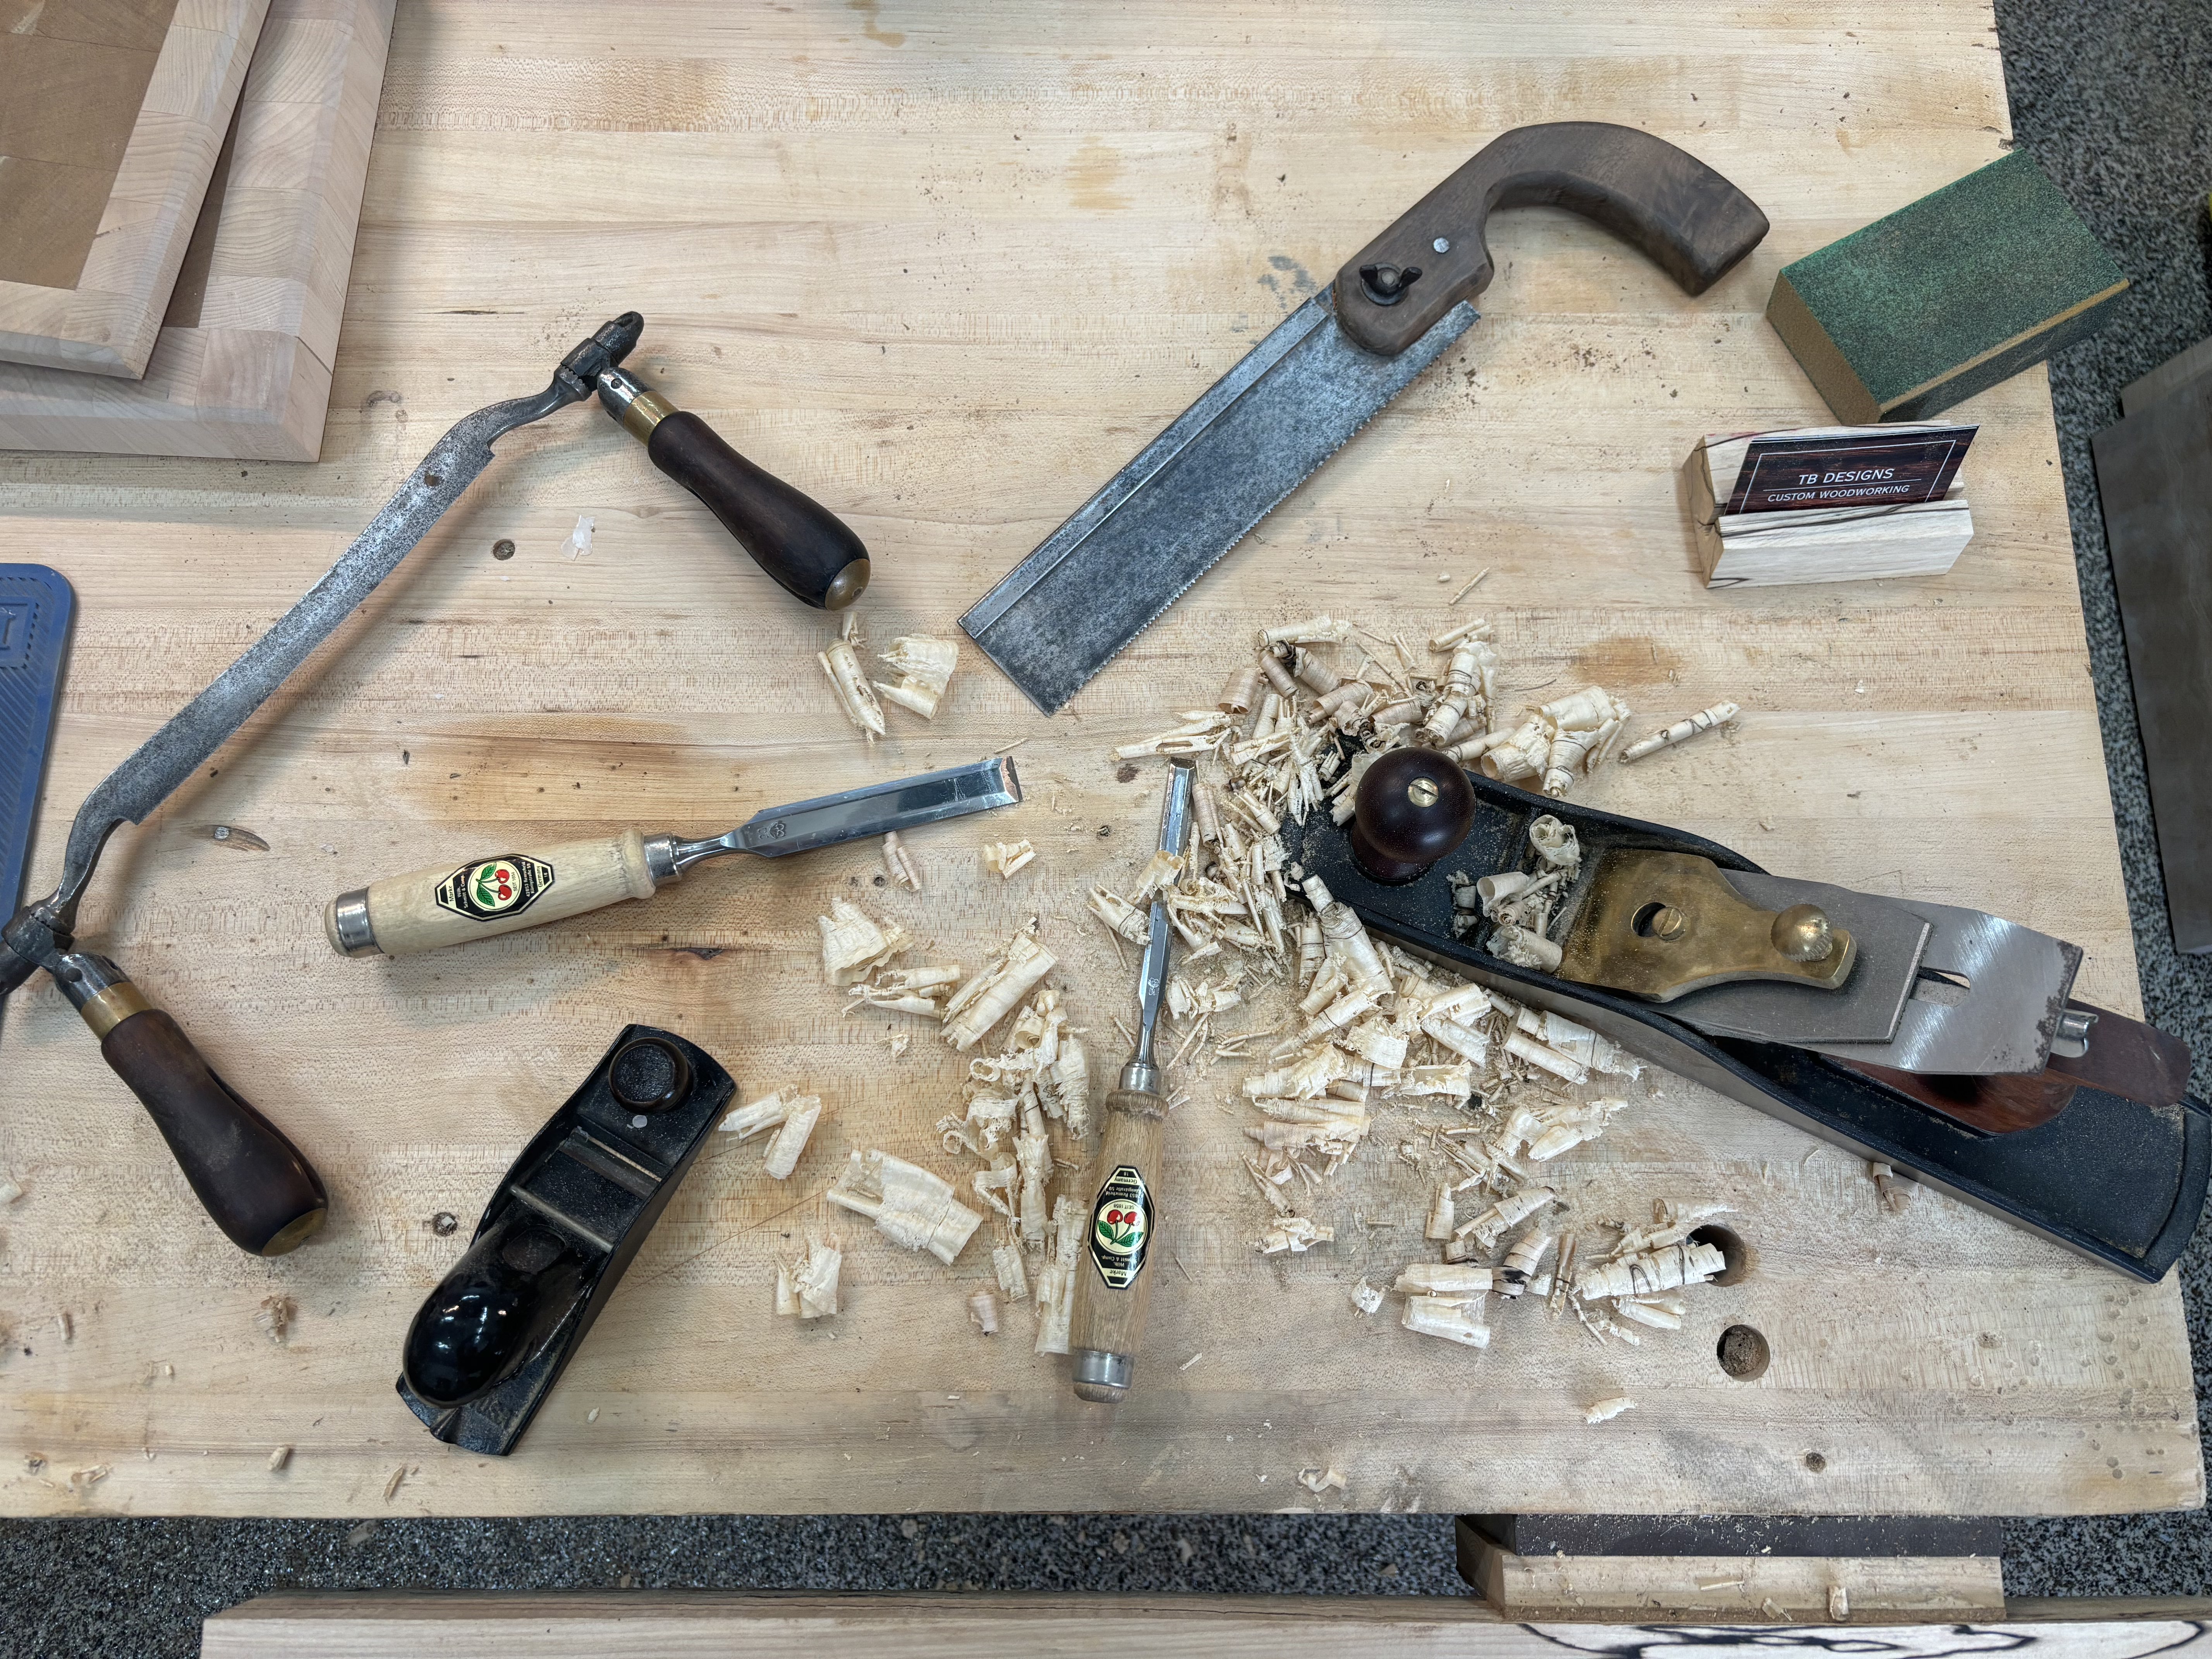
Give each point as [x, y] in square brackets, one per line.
[1667, 924]
[1802, 934]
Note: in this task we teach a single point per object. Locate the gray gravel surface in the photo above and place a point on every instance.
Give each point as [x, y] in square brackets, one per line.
[2114, 98]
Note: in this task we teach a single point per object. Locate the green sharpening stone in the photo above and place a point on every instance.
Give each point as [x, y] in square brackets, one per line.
[1946, 297]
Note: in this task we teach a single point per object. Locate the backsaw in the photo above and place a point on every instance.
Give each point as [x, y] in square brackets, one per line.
[1398, 305]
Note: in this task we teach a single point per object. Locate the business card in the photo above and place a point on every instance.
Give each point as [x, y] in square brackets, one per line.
[1787, 473]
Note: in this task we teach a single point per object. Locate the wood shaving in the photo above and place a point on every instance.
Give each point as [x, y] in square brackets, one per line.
[273, 1318]
[923, 666]
[1007, 858]
[995, 990]
[1606, 1410]
[278, 1459]
[806, 1282]
[1681, 732]
[1295, 1235]
[855, 945]
[1055, 1284]
[908, 1205]
[983, 1312]
[578, 544]
[1318, 1481]
[898, 863]
[854, 694]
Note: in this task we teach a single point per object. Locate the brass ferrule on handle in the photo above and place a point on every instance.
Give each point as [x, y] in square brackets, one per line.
[99, 990]
[636, 405]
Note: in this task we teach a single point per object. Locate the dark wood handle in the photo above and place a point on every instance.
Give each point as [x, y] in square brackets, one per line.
[797, 540]
[255, 1184]
[1691, 222]
[2126, 1057]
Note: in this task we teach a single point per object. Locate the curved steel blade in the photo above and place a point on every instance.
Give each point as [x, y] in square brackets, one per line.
[173, 754]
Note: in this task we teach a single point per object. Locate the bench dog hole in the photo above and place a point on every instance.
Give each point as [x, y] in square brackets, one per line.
[1744, 1354]
[1739, 1257]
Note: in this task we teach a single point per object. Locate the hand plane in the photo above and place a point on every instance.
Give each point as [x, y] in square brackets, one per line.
[1940, 1040]
[560, 1231]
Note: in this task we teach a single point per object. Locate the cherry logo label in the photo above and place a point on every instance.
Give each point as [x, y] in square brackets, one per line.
[1121, 1227]
[494, 887]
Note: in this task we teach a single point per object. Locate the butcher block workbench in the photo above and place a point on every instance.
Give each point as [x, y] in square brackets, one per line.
[946, 267]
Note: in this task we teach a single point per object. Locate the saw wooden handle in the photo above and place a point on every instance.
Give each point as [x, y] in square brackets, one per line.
[1691, 222]
[450, 904]
[1108, 1318]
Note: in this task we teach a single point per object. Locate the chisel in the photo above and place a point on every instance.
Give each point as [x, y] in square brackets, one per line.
[1110, 1300]
[452, 904]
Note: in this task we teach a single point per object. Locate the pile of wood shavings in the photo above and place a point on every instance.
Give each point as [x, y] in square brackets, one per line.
[1033, 1092]
[1376, 1027]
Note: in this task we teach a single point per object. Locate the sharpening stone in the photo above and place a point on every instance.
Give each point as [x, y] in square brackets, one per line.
[1946, 297]
[35, 607]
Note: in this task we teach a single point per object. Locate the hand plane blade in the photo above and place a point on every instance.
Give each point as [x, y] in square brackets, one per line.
[1130, 552]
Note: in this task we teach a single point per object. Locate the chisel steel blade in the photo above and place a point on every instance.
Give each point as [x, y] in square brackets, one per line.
[1128, 553]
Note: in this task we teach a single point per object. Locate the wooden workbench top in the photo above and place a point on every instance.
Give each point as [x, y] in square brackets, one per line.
[946, 267]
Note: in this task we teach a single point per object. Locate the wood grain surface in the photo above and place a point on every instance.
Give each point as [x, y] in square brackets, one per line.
[946, 268]
[242, 364]
[711, 1625]
[88, 294]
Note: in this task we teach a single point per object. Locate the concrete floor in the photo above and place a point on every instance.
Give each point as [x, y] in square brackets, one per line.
[2114, 98]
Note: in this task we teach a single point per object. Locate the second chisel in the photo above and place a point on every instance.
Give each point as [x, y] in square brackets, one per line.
[447, 905]
[1111, 1299]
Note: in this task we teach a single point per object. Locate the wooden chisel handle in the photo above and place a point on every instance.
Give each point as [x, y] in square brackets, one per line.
[1114, 1278]
[450, 904]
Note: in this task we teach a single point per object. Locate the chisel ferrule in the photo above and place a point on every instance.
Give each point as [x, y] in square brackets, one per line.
[349, 925]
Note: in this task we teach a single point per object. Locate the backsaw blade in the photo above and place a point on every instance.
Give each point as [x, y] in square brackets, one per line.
[1101, 579]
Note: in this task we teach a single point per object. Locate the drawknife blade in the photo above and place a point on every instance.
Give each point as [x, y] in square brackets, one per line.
[1128, 554]
[173, 754]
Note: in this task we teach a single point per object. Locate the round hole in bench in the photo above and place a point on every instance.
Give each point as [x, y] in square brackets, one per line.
[1743, 1353]
[1739, 1257]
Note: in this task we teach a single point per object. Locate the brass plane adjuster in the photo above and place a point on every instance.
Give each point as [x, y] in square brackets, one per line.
[1661, 925]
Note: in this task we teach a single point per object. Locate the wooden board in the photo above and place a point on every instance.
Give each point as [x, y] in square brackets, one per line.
[946, 269]
[2155, 476]
[662, 1625]
[242, 366]
[108, 87]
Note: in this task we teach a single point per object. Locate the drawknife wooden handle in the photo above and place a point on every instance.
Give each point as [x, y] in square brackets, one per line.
[252, 1182]
[450, 904]
[1691, 222]
[1114, 1272]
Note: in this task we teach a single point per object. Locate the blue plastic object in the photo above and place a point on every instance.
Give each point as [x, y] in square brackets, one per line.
[36, 605]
